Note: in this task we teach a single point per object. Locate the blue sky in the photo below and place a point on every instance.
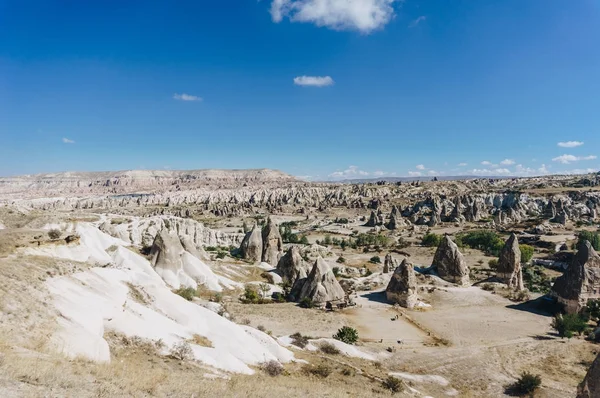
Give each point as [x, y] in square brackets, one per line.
[323, 88]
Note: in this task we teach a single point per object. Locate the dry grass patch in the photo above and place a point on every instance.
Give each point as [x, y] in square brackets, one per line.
[201, 341]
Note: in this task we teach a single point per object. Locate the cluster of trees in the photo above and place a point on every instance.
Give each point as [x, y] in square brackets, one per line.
[568, 325]
[361, 240]
[592, 237]
[288, 236]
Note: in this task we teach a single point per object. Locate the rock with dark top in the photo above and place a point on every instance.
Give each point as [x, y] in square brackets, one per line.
[321, 285]
[272, 244]
[590, 386]
[581, 280]
[292, 266]
[402, 288]
[450, 263]
[389, 264]
[509, 264]
[252, 245]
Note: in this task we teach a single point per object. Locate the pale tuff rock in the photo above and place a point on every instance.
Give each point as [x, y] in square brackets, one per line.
[195, 250]
[272, 243]
[590, 387]
[292, 266]
[375, 219]
[450, 263]
[321, 285]
[402, 288]
[166, 253]
[252, 246]
[509, 264]
[390, 263]
[581, 280]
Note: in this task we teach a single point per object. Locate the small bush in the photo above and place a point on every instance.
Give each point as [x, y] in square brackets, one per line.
[262, 328]
[320, 370]
[328, 348]
[298, 340]
[568, 325]
[272, 368]
[182, 351]
[54, 234]
[306, 302]
[527, 384]
[393, 384]
[187, 293]
[526, 253]
[431, 240]
[348, 372]
[347, 335]
[375, 260]
[250, 294]
[493, 264]
[341, 260]
[221, 255]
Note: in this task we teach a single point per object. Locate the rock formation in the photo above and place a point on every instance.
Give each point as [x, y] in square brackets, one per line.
[272, 245]
[165, 254]
[509, 264]
[450, 263]
[402, 288]
[590, 387]
[292, 266]
[252, 245]
[195, 250]
[390, 263]
[581, 280]
[320, 285]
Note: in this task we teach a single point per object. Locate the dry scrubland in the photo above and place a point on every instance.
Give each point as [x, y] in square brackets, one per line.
[469, 342]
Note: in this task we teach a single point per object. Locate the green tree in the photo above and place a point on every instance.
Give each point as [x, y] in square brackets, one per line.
[526, 253]
[568, 325]
[347, 335]
[431, 240]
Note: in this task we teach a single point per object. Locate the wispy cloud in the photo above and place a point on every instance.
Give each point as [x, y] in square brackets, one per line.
[67, 141]
[570, 144]
[313, 81]
[420, 167]
[566, 159]
[417, 21]
[186, 97]
[486, 163]
[415, 174]
[507, 162]
[355, 172]
[362, 15]
[463, 164]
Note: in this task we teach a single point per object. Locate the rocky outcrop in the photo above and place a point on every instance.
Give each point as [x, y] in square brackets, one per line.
[195, 250]
[581, 280]
[251, 248]
[272, 245]
[402, 288]
[509, 264]
[321, 285]
[292, 266]
[375, 219]
[450, 263]
[590, 387]
[389, 264]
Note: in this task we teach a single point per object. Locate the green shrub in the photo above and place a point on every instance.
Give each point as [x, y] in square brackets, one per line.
[431, 240]
[488, 241]
[526, 253]
[347, 335]
[493, 264]
[527, 384]
[251, 294]
[341, 260]
[221, 255]
[306, 302]
[393, 384]
[592, 237]
[272, 368]
[375, 260]
[187, 293]
[336, 271]
[568, 325]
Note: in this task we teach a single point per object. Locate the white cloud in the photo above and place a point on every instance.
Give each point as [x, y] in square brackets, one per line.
[507, 162]
[67, 141]
[186, 97]
[566, 159]
[486, 163]
[314, 81]
[544, 169]
[570, 144]
[415, 173]
[432, 172]
[362, 15]
[417, 21]
[463, 164]
[351, 171]
[420, 167]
